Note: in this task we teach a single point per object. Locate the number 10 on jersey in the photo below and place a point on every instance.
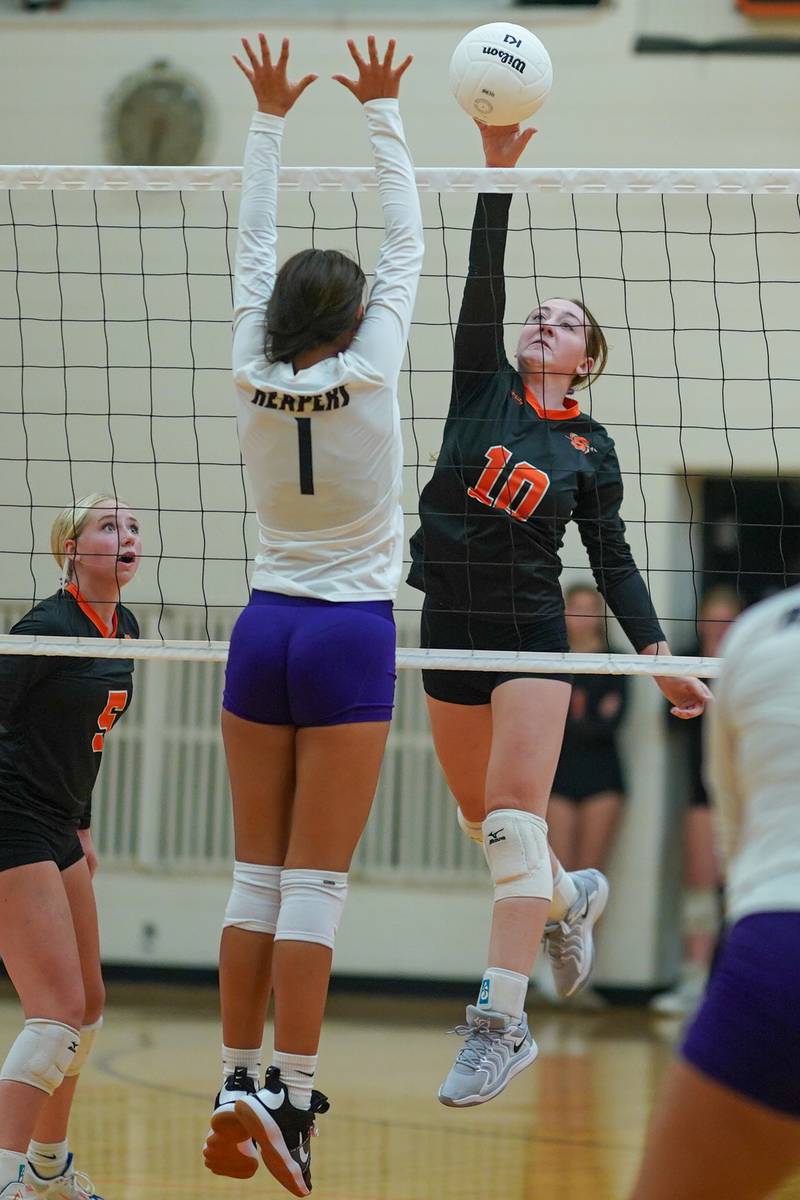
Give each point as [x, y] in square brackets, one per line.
[519, 494]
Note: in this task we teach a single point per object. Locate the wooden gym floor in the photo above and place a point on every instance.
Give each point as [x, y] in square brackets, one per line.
[568, 1128]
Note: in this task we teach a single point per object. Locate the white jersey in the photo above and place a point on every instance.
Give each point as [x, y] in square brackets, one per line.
[753, 758]
[322, 447]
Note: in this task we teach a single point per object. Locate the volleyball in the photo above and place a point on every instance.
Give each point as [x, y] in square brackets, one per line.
[500, 73]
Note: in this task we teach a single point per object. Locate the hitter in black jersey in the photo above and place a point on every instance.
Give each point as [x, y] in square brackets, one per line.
[518, 461]
[55, 714]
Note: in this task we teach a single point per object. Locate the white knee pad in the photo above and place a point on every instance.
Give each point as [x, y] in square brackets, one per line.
[311, 906]
[255, 898]
[515, 845]
[42, 1054]
[88, 1037]
[473, 829]
[701, 911]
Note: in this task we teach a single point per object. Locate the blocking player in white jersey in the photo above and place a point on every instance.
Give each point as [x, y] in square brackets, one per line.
[728, 1123]
[310, 680]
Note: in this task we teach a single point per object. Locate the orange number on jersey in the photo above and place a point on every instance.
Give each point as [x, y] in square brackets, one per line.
[114, 706]
[522, 491]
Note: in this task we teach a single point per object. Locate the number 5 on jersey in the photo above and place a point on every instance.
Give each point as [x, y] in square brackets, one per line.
[519, 494]
[114, 706]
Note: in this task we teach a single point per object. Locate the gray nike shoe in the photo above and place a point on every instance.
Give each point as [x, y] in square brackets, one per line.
[570, 944]
[496, 1049]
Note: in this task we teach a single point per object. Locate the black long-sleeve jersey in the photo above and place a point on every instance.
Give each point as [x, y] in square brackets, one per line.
[55, 712]
[510, 475]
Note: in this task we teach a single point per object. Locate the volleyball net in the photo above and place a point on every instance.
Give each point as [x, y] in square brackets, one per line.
[115, 308]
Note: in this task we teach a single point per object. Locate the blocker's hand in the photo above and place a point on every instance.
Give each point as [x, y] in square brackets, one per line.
[273, 91]
[376, 80]
[688, 696]
[503, 144]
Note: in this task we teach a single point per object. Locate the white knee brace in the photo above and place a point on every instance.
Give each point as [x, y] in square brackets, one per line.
[42, 1054]
[701, 911]
[515, 845]
[473, 829]
[88, 1037]
[311, 906]
[255, 898]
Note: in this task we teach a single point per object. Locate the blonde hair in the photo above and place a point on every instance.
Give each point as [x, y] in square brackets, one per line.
[71, 522]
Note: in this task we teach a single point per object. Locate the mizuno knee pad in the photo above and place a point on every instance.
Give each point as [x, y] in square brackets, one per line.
[515, 845]
[88, 1037]
[42, 1054]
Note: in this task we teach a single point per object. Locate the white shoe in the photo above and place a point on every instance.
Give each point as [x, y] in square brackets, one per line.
[570, 943]
[680, 1001]
[71, 1185]
[16, 1191]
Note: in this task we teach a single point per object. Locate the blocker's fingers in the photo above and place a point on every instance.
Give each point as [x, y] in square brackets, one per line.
[354, 54]
[404, 65]
[305, 82]
[248, 74]
[372, 50]
[389, 55]
[284, 55]
[345, 82]
[248, 49]
[266, 56]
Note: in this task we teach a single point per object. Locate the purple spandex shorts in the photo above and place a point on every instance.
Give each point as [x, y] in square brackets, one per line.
[298, 661]
[746, 1034]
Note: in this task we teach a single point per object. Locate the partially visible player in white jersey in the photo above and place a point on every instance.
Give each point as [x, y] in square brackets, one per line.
[728, 1123]
[310, 680]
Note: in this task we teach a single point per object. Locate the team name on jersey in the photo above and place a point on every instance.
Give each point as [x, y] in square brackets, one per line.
[337, 397]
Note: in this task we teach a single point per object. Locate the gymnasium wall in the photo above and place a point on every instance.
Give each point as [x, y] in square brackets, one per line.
[609, 107]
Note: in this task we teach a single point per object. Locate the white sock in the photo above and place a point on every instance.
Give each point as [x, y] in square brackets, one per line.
[12, 1167]
[48, 1159]
[297, 1075]
[564, 894]
[233, 1058]
[503, 991]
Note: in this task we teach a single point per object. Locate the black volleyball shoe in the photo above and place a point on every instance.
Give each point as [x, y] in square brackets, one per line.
[282, 1132]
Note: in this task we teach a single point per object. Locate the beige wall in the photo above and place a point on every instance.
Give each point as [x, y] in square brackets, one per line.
[608, 106]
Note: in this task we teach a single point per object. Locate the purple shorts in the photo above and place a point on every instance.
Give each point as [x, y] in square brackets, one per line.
[746, 1034]
[298, 661]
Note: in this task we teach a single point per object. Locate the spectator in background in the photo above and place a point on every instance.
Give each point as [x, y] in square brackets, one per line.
[702, 877]
[588, 789]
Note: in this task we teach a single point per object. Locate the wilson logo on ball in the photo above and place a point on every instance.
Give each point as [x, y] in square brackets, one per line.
[507, 59]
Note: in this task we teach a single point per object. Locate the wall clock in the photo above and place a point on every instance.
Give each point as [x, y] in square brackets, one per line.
[158, 116]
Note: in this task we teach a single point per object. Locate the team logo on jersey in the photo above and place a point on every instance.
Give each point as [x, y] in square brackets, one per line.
[581, 443]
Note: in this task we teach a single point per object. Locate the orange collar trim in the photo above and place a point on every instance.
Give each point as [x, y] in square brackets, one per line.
[566, 413]
[88, 611]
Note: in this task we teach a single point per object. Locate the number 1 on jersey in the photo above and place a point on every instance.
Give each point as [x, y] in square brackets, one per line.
[521, 492]
[305, 455]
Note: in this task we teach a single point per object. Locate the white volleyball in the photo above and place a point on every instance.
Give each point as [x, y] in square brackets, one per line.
[500, 73]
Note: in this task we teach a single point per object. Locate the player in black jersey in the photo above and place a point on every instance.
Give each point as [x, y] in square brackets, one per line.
[518, 461]
[55, 714]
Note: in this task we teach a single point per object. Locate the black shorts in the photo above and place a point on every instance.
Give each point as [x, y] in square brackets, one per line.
[444, 630]
[24, 839]
[586, 772]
